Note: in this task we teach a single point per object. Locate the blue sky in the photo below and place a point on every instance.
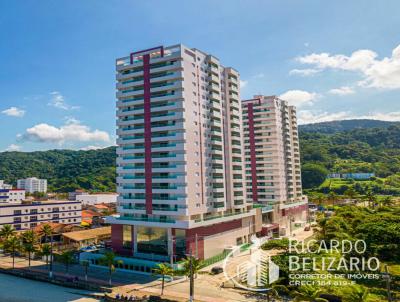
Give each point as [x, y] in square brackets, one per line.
[333, 59]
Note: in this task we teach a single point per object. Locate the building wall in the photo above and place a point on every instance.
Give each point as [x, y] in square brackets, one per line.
[32, 185]
[26, 216]
[272, 151]
[11, 195]
[178, 120]
[92, 199]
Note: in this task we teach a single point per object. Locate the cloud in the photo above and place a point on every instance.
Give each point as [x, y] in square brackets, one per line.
[299, 97]
[72, 131]
[376, 73]
[91, 147]
[344, 90]
[14, 111]
[304, 72]
[58, 101]
[310, 116]
[243, 83]
[13, 147]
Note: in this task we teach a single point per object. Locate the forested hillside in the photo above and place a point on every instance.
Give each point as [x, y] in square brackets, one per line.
[359, 150]
[366, 149]
[66, 170]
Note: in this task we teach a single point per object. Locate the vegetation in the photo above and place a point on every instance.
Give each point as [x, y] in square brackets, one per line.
[65, 170]
[365, 149]
[373, 222]
[109, 260]
[163, 269]
[341, 146]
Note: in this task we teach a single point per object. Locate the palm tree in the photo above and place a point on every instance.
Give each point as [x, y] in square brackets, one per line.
[7, 231]
[67, 258]
[13, 244]
[47, 231]
[28, 241]
[86, 264]
[45, 250]
[163, 269]
[30, 249]
[196, 265]
[109, 260]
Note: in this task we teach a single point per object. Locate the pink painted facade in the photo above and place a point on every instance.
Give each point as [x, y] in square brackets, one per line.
[180, 160]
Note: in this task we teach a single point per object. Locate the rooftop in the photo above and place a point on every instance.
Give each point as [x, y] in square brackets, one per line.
[88, 234]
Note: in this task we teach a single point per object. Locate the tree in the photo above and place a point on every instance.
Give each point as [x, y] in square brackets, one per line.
[371, 198]
[47, 231]
[277, 244]
[313, 175]
[13, 245]
[196, 265]
[29, 244]
[85, 264]
[67, 258]
[6, 232]
[109, 260]
[163, 269]
[350, 193]
[45, 250]
[332, 197]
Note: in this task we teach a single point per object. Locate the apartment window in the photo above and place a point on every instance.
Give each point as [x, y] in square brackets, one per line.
[17, 212]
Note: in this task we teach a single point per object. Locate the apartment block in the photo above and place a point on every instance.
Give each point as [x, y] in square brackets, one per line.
[273, 173]
[180, 164]
[12, 195]
[24, 216]
[4, 185]
[32, 185]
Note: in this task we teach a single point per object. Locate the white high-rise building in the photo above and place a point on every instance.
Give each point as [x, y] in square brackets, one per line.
[273, 173]
[180, 158]
[32, 185]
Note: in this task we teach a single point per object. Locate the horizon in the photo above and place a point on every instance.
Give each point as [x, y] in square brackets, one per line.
[58, 67]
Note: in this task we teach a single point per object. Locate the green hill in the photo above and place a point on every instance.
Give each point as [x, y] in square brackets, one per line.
[65, 170]
[359, 150]
[332, 149]
[345, 125]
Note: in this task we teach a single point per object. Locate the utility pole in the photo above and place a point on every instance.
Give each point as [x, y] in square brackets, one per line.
[191, 293]
[197, 251]
[171, 252]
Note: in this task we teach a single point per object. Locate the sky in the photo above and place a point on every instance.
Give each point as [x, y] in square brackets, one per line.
[332, 59]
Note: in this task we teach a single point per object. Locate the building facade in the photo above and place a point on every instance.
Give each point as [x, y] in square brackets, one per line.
[92, 199]
[4, 185]
[25, 216]
[12, 195]
[32, 185]
[272, 156]
[180, 158]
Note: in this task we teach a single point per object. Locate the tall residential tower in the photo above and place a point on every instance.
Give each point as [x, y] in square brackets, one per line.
[273, 174]
[180, 158]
